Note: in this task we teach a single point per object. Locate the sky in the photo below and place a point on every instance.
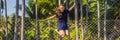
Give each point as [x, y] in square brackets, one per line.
[11, 7]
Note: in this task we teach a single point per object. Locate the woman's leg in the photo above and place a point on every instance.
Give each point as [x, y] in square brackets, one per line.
[67, 32]
[61, 33]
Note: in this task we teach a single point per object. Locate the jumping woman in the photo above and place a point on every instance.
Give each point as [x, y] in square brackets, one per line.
[62, 15]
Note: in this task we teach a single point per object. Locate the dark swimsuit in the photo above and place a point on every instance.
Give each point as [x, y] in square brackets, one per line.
[62, 21]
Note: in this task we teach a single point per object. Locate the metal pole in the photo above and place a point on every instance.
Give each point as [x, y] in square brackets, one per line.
[37, 27]
[82, 20]
[22, 21]
[16, 20]
[5, 16]
[98, 9]
[76, 19]
[87, 19]
[105, 35]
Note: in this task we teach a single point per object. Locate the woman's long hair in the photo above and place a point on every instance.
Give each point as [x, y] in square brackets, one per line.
[57, 11]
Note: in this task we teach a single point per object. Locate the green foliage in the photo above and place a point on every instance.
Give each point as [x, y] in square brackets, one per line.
[47, 28]
[45, 8]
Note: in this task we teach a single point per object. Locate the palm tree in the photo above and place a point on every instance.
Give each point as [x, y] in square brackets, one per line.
[76, 19]
[119, 8]
[59, 1]
[1, 5]
[67, 4]
[98, 9]
[5, 16]
[16, 20]
[81, 19]
[105, 35]
[0, 9]
[119, 11]
[37, 27]
[22, 23]
[86, 19]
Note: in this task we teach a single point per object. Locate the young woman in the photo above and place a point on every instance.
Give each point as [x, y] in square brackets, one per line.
[62, 15]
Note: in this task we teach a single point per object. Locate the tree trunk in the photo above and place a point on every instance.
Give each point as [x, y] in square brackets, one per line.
[1, 7]
[119, 11]
[82, 28]
[22, 23]
[98, 9]
[5, 16]
[105, 34]
[37, 27]
[59, 1]
[86, 19]
[16, 20]
[76, 19]
[119, 8]
[67, 5]
[0, 11]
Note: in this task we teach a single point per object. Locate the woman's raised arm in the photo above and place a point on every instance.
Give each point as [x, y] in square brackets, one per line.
[72, 7]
